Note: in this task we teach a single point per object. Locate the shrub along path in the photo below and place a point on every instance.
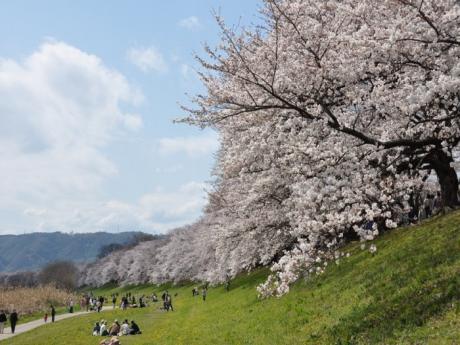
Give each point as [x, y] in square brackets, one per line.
[28, 326]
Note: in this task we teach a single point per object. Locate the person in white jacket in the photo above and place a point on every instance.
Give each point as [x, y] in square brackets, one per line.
[103, 331]
[125, 329]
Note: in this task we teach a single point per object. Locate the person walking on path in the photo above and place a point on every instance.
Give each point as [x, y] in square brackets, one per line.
[13, 320]
[87, 302]
[53, 313]
[71, 306]
[2, 321]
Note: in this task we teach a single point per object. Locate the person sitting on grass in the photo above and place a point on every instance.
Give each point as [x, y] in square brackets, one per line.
[141, 302]
[103, 331]
[124, 329]
[134, 328]
[114, 329]
[96, 329]
[111, 341]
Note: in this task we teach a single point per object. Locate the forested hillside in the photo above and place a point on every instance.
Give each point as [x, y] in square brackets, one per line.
[32, 251]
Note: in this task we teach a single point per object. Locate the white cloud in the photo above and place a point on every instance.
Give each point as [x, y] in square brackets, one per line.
[133, 122]
[170, 169]
[157, 211]
[190, 23]
[147, 59]
[35, 212]
[192, 146]
[188, 200]
[60, 107]
[185, 70]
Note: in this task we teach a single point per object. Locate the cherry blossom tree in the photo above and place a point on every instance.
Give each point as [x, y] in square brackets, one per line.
[331, 117]
[358, 102]
[385, 74]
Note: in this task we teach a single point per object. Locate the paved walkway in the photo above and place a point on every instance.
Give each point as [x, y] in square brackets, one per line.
[25, 327]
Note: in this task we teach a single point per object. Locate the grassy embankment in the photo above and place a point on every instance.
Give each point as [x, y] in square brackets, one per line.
[407, 293]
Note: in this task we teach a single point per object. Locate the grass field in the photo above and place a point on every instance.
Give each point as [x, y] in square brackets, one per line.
[407, 293]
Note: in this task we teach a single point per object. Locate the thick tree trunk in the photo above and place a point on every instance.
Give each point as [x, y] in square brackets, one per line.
[447, 177]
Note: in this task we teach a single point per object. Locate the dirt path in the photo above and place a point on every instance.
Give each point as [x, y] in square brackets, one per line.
[25, 327]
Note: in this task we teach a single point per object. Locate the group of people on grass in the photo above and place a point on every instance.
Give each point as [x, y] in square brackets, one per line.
[101, 328]
[4, 318]
[204, 292]
[130, 301]
[116, 329]
[92, 303]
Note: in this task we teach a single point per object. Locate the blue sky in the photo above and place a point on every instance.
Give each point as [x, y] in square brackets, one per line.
[88, 92]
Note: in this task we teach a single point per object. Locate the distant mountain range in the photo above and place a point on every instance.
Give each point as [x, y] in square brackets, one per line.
[32, 251]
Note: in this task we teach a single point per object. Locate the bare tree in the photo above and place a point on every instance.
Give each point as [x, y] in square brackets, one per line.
[62, 274]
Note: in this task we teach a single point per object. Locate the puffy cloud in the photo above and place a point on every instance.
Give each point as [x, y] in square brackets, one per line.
[147, 59]
[156, 211]
[60, 107]
[192, 146]
[190, 23]
[133, 122]
[184, 205]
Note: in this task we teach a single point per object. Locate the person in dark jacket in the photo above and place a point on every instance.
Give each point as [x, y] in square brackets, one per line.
[53, 313]
[2, 321]
[97, 329]
[164, 298]
[13, 320]
[134, 328]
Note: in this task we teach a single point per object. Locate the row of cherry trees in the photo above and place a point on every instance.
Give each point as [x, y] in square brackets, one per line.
[331, 116]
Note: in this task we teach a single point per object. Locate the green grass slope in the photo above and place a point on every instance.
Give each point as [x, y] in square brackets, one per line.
[407, 293]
